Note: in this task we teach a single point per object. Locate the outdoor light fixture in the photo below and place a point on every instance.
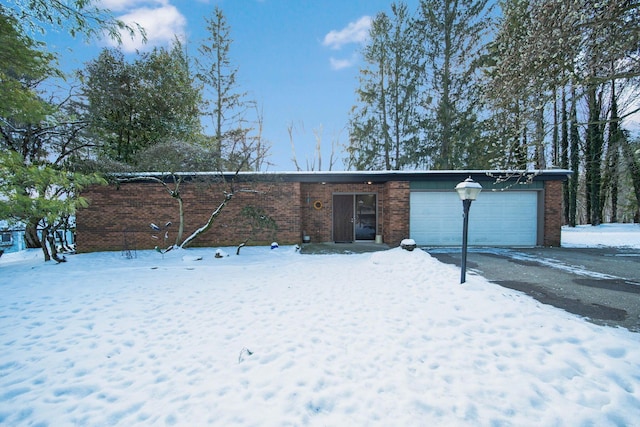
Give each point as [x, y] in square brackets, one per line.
[468, 190]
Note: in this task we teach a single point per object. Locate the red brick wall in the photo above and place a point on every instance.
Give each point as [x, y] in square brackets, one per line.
[396, 212]
[133, 206]
[552, 213]
[318, 223]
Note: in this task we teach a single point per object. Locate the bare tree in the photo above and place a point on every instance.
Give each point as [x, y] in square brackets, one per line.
[315, 162]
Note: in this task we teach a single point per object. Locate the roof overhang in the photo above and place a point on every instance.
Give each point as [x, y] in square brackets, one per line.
[356, 176]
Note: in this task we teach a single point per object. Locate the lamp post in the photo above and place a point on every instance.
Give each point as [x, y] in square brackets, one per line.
[467, 190]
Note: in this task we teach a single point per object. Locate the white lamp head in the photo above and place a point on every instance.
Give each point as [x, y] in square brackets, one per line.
[468, 189]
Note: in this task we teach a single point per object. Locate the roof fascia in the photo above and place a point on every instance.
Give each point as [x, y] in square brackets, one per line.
[352, 176]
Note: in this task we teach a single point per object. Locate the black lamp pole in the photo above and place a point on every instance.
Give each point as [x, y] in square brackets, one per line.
[467, 190]
[466, 204]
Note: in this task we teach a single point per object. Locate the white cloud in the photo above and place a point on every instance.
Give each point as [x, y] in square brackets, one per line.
[355, 32]
[161, 25]
[124, 5]
[339, 64]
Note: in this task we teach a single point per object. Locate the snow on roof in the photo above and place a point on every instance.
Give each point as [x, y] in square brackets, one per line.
[357, 176]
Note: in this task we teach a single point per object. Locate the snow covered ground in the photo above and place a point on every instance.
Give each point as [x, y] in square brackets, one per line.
[613, 235]
[275, 338]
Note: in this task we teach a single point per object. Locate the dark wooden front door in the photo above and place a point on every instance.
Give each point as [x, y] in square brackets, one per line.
[343, 218]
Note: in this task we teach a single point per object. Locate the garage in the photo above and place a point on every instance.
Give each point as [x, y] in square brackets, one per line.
[496, 218]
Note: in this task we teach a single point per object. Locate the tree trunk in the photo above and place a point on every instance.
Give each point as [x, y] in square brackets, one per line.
[574, 139]
[383, 118]
[594, 145]
[181, 222]
[521, 147]
[612, 159]
[212, 217]
[49, 235]
[564, 155]
[43, 245]
[541, 160]
[31, 239]
[555, 144]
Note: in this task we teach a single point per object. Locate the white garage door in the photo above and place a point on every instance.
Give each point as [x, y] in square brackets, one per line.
[507, 218]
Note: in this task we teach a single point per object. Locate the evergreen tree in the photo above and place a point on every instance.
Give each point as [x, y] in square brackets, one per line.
[77, 16]
[454, 33]
[236, 121]
[132, 106]
[508, 99]
[41, 195]
[384, 128]
[37, 138]
[225, 103]
[23, 64]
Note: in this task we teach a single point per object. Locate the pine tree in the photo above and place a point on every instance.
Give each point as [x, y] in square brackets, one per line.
[132, 106]
[384, 127]
[225, 103]
[454, 39]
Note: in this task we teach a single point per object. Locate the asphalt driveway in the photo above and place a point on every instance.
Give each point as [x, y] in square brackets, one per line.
[600, 284]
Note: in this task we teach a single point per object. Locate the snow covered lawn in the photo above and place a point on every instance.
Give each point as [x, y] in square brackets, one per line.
[275, 338]
[612, 235]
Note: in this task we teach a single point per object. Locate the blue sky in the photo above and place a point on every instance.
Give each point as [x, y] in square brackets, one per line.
[298, 59]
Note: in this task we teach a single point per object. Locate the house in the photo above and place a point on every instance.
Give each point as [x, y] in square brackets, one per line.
[514, 208]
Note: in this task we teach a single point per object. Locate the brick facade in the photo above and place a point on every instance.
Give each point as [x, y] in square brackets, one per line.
[299, 205]
[396, 217]
[553, 219]
[317, 223]
[116, 212]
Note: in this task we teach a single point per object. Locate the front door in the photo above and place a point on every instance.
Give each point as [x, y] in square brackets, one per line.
[343, 218]
[354, 217]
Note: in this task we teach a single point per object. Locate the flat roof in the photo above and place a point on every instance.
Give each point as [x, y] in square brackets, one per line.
[360, 176]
